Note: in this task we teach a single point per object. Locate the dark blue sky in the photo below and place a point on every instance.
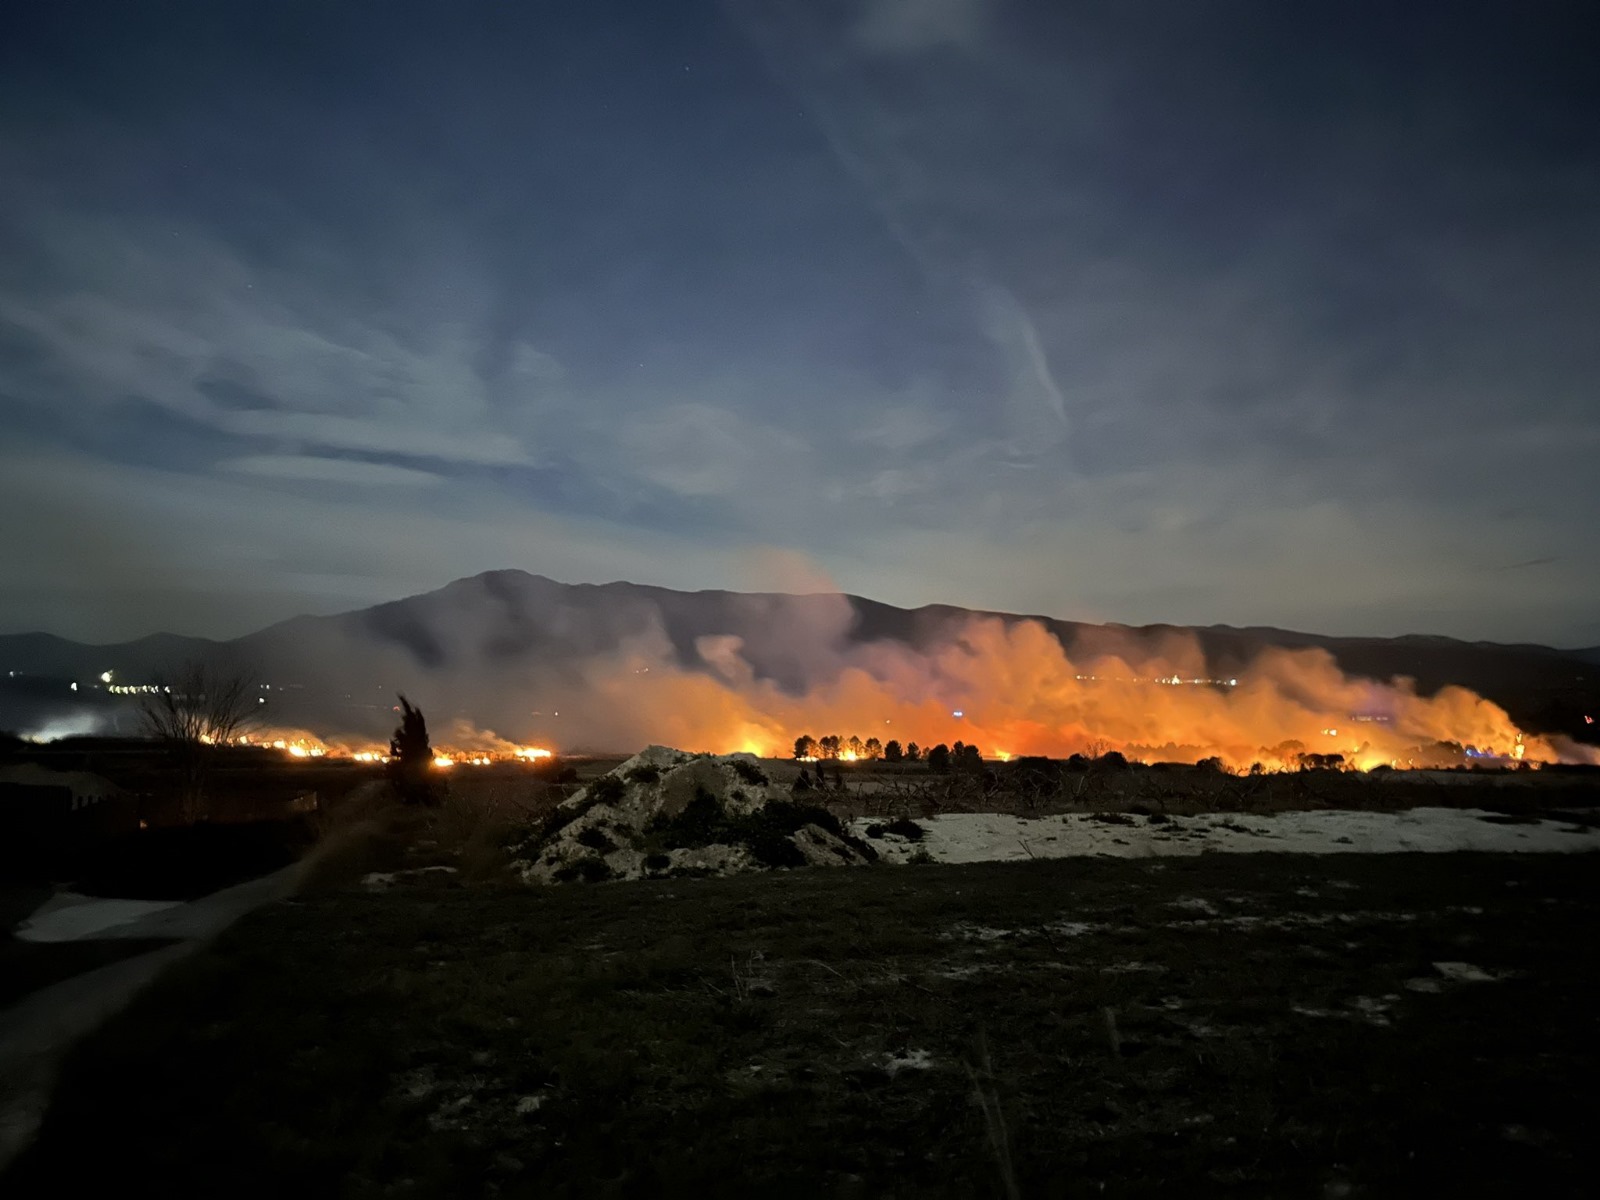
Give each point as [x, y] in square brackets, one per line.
[1244, 313]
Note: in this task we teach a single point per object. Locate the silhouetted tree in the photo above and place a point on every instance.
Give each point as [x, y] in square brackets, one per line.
[828, 747]
[805, 746]
[893, 751]
[1321, 762]
[939, 759]
[873, 748]
[194, 710]
[966, 758]
[411, 757]
[913, 752]
[856, 746]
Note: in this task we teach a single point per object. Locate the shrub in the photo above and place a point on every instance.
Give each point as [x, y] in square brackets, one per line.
[596, 839]
[906, 828]
[608, 789]
[644, 773]
[1032, 774]
[589, 870]
[697, 824]
[767, 833]
[749, 772]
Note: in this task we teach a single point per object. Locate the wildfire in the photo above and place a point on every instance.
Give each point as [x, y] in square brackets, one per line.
[993, 683]
[1008, 688]
[301, 744]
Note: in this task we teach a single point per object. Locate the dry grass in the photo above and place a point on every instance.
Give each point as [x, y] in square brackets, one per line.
[875, 791]
[469, 829]
[935, 1032]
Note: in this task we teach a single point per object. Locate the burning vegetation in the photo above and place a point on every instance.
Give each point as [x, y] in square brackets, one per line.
[1015, 690]
[1008, 686]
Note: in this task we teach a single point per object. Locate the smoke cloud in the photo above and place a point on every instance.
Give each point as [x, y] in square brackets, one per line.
[774, 667]
[1011, 688]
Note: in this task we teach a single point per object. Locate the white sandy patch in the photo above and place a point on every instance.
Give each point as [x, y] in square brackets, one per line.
[911, 1060]
[1461, 972]
[999, 837]
[382, 881]
[977, 933]
[67, 916]
[1372, 1010]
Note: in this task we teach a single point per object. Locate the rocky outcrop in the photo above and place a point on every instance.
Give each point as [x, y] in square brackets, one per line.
[668, 813]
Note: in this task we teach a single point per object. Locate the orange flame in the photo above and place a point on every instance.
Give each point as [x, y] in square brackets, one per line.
[994, 684]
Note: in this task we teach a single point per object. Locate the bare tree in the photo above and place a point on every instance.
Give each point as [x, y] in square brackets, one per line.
[195, 709]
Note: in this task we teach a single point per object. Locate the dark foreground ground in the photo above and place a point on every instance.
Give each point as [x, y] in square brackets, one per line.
[159, 864]
[1221, 1025]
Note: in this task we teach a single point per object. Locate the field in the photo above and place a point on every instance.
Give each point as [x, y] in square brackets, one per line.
[1262, 1024]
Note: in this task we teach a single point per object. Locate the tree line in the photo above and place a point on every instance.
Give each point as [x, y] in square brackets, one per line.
[940, 759]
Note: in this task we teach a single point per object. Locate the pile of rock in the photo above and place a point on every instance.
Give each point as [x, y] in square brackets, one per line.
[668, 813]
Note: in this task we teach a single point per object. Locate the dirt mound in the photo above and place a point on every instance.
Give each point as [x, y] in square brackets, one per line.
[665, 813]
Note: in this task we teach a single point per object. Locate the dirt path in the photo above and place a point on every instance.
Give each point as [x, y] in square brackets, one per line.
[37, 1031]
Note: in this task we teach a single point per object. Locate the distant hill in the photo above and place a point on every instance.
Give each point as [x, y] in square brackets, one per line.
[510, 648]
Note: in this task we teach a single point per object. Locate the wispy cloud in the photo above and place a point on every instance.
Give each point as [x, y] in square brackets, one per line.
[1027, 306]
[305, 468]
[917, 26]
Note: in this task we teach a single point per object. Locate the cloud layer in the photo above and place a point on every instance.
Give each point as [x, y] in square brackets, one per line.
[1136, 314]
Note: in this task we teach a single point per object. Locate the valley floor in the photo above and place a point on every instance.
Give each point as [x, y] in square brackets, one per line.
[1268, 1023]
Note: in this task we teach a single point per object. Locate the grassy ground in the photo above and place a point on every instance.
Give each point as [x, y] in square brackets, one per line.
[1262, 1025]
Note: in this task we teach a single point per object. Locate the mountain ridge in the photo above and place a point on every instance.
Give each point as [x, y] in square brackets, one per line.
[514, 631]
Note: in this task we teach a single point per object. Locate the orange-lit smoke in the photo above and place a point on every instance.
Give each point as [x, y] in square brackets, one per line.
[1018, 692]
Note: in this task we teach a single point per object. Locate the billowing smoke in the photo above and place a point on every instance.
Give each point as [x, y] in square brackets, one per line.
[1011, 688]
[513, 660]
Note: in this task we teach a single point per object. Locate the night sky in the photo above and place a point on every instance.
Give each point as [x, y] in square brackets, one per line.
[1249, 313]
